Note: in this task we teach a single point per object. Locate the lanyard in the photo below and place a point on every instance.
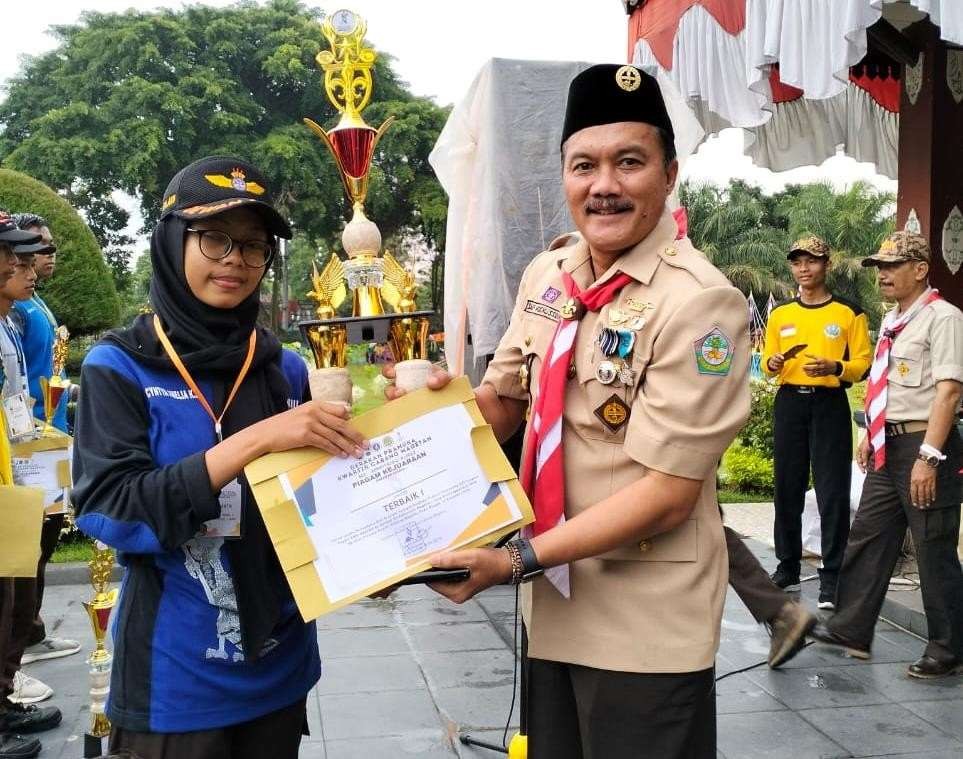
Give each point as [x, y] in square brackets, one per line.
[18, 352]
[185, 375]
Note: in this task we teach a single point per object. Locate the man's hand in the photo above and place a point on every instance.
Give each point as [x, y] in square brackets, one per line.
[863, 453]
[436, 380]
[922, 485]
[819, 367]
[488, 566]
[775, 362]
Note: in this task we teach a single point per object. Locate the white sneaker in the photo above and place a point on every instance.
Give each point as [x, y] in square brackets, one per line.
[49, 648]
[29, 690]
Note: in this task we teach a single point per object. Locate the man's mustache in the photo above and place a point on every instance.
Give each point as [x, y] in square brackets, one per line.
[608, 205]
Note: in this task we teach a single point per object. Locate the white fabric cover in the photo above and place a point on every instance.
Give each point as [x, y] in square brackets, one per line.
[498, 159]
[806, 132]
[707, 61]
[811, 527]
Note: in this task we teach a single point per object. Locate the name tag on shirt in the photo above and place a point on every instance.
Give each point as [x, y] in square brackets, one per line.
[19, 420]
[228, 524]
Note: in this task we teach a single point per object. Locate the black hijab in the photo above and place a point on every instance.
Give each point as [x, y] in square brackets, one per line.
[213, 343]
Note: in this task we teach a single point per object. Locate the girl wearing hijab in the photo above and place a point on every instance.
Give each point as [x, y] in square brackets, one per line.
[211, 657]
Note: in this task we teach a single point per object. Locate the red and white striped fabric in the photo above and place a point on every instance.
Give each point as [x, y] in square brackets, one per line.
[876, 389]
[543, 475]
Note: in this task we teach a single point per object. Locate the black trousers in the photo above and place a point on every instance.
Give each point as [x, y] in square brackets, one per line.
[276, 735]
[49, 537]
[877, 534]
[577, 712]
[812, 429]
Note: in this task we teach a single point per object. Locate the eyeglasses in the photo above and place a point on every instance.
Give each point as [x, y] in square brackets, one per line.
[217, 245]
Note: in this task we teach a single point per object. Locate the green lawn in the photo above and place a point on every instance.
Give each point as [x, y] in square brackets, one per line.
[734, 496]
[73, 550]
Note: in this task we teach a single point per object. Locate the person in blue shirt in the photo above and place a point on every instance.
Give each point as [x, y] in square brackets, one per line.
[36, 321]
[211, 656]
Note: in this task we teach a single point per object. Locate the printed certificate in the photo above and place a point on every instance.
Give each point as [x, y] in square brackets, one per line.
[433, 478]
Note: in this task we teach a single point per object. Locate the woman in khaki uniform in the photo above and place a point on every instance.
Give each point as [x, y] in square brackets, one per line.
[648, 345]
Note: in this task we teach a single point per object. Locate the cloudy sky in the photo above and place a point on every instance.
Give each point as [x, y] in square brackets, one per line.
[440, 45]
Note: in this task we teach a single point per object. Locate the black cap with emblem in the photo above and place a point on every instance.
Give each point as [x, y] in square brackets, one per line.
[215, 184]
[609, 93]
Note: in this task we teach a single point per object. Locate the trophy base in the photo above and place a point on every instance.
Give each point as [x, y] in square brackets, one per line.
[365, 329]
[93, 746]
[331, 384]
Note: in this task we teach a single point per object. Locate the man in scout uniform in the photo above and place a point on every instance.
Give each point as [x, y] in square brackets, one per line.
[816, 346]
[912, 455]
[38, 331]
[636, 352]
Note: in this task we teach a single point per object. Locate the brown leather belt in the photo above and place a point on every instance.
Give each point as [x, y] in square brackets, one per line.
[904, 428]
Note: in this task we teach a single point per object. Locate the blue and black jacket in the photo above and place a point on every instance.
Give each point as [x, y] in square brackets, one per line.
[143, 488]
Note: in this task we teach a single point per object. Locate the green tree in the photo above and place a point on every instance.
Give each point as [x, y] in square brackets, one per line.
[734, 228]
[126, 100]
[81, 293]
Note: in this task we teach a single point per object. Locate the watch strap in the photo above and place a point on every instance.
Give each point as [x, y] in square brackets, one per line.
[530, 566]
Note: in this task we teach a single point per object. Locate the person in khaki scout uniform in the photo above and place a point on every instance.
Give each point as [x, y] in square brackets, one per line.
[648, 346]
[913, 453]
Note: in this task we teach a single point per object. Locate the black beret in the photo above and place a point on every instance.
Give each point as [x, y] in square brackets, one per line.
[609, 93]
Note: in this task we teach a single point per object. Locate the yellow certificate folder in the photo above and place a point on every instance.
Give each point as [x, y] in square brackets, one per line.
[285, 524]
[53, 446]
[21, 518]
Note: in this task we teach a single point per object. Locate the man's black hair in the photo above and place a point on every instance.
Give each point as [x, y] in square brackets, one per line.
[666, 141]
[27, 220]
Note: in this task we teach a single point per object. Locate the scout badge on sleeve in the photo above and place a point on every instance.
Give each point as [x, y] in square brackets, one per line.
[713, 353]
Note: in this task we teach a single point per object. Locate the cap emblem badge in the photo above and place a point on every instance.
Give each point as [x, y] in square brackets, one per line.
[237, 181]
[628, 78]
[888, 246]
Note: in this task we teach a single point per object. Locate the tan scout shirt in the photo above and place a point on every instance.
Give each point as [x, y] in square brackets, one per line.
[654, 606]
[927, 351]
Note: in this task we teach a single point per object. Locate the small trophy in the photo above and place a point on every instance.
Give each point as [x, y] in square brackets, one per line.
[373, 279]
[53, 389]
[100, 659]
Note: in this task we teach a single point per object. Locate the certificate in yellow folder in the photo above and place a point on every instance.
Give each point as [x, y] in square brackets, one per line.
[434, 478]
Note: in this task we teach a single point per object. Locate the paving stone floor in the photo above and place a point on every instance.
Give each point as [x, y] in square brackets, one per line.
[402, 677]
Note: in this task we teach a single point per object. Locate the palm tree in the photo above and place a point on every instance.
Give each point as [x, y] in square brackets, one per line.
[732, 227]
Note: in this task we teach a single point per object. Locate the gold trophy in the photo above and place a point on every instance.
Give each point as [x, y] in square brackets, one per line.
[54, 387]
[100, 659]
[372, 278]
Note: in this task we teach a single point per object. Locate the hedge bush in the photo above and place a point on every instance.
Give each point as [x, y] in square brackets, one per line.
[757, 434]
[81, 293]
[747, 470]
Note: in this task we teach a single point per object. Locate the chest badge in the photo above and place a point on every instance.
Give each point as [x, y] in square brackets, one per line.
[551, 295]
[832, 331]
[902, 369]
[638, 306]
[713, 353]
[571, 309]
[613, 413]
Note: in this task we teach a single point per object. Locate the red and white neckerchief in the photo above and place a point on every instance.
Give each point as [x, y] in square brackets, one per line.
[876, 389]
[543, 475]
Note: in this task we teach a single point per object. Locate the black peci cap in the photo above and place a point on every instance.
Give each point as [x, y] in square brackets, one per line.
[609, 93]
[11, 234]
[216, 184]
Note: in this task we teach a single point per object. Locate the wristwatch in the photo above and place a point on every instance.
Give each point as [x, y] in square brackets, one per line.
[530, 568]
[929, 459]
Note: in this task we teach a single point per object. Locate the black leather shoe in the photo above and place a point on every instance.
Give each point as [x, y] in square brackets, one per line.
[18, 718]
[928, 668]
[823, 634]
[18, 747]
